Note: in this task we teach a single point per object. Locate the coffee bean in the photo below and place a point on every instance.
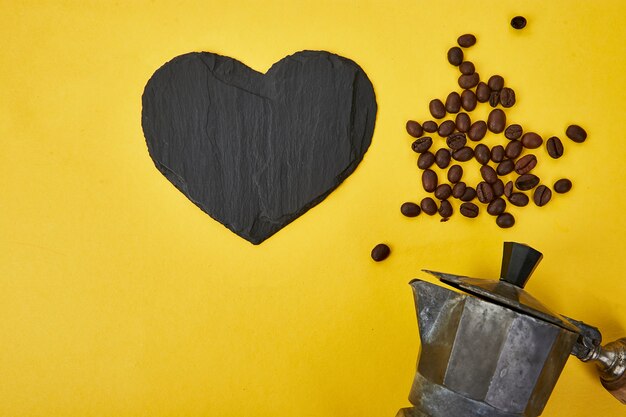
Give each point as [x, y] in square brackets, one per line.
[469, 81]
[437, 109]
[517, 199]
[483, 92]
[498, 188]
[414, 129]
[468, 100]
[477, 130]
[446, 128]
[445, 209]
[425, 160]
[508, 189]
[513, 149]
[464, 154]
[469, 194]
[443, 191]
[421, 145]
[526, 182]
[576, 133]
[453, 102]
[469, 210]
[496, 207]
[542, 195]
[554, 147]
[410, 209]
[466, 40]
[496, 121]
[489, 174]
[463, 122]
[525, 164]
[497, 154]
[507, 97]
[495, 82]
[455, 56]
[513, 132]
[505, 167]
[518, 22]
[430, 126]
[531, 140]
[494, 98]
[442, 158]
[562, 186]
[467, 68]
[455, 173]
[505, 220]
[428, 206]
[458, 190]
[380, 252]
[482, 153]
[429, 180]
[484, 192]
[456, 141]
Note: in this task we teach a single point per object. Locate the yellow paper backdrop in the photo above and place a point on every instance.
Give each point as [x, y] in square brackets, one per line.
[119, 297]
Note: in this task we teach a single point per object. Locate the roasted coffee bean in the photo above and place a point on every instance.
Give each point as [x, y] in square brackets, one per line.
[430, 126]
[518, 22]
[468, 100]
[531, 140]
[410, 209]
[469, 210]
[466, 40]
[517, 199]
[429, 180]
[508, 189]
[496, 207]
[456, 141]
[455, 173]
[507, 97]
[428, 206]
[443, 191]
[469, 194]
[505, 220]
[477, 130]
[498, 188]
[526, 182]
[496, 121]
[489, 174]
[446, 128]
[425, 160]
[380, 252]
[542, 195]
[463, 122]
[455, 56]
[483, 92]
[513, 132]
[562, 186]
[482, 153]
[484, 192]
[497, 154]
[513, 149]
[414, 129]
[445, 209]
[576, 133]
[458, 190]
[442, 158]
[495, 82]
[467, 68]
[437, 109]
[469, 81]
[421, 145]
[554, 147]
[525, 164]
[453, 102]
[464, 154]
[505, 167]
[494, 98]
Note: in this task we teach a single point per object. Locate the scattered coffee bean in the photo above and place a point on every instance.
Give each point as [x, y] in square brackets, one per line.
[425, 160]
[467, 68]
[477, 130]
[469, 194]
[410, 209]
[446, 128]
[455, 56]
[531, 140]
[437, 109]
[458, 190]
[576, 133]
[466, 40]
[496, 207]
[455, 173]
[542, 195]
[428, 206]
[498, 188]
[429, 180]
[469, 81]
[507, 97]
[380, 252]
[483, 92]
[421, 145]
[496, 82]
[469, 210]
[518, 22]
[562, 186]
[443, 191]
[445, 209]
[456, 141]
[513, 149]
[525, 164]
[496, 121]
[430, 126]
[505, 220]
[513, 132]
[489, 174]
[554, 147]
[497, 153]
[442, 158]
[484, 192]
[482, 153]
[505, 167]
[508, 189]
[453, 102]
[463, 122]
[464, 154]
[517, 199]
[414, 129]
[468, 100]
[494, 98]
[526, 182]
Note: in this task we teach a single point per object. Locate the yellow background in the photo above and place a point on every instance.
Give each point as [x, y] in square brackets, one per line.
[119, 297]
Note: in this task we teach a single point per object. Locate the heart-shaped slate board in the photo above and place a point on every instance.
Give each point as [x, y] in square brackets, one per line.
[253, 150]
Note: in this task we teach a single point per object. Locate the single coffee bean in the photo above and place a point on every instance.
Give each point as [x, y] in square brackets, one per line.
[469, 194]
[496, 121]
[576, 133]
[525, 164]
[562, 186]
[494, 98]
[458, 190]
[469, 210]
[517, 199]
[526, 182]
[507, 97]
[430, 126]
[482, 153]
[410, 209]
[464, 154]
[496, 207]
[428, 206]
[484, 192]
[467, 68]
[531, 140]
[466, 40]
[455, 56]
[421, 145]
[497, 154]
[446, 128]
[463, 122]
[445, 209]
[505, 220]
[513, 149]
[429, 180]
[495, 82]
[483, 92]
[414, 129]
[456, 141]
[442, 158]
[380, 252]
[505, 167]
[513, 132]
[468, 100]
[455, 173]
[467, 81]
[518, 22]
[498, 188]
[443, 191]
[489, 174]
[554, 147]
[437, 109]
[477, 130]
[425, 160]
[453, 102]
[542, 195]
[508, 189]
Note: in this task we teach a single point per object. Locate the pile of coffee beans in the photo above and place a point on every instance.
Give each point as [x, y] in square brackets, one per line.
[506, 169]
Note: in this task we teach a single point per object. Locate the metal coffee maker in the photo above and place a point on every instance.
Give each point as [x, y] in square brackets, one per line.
[494, 350]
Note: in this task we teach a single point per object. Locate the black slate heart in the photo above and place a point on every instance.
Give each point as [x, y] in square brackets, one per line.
[253, 150]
